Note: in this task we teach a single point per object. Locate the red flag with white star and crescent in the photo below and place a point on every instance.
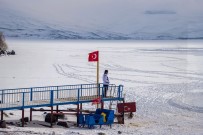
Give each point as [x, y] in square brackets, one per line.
[93, 56]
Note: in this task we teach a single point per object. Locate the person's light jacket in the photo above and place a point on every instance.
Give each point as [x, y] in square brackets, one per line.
[105, 79]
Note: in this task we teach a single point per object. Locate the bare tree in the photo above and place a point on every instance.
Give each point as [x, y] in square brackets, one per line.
[3, 45]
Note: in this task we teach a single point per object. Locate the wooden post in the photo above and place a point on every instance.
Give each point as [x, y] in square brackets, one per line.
[2, 115]
[57, 109]
[97, 73]
[80, 108]
[78, 114]
[23, 120]
[31, 93]
[98, 79]
[102, 105]
[30, 114]
[51, 116]
[123, 111]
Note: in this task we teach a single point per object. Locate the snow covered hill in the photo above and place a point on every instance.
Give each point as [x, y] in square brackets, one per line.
[127, 23]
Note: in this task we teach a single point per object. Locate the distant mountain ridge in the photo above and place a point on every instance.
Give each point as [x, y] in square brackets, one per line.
[169, 27]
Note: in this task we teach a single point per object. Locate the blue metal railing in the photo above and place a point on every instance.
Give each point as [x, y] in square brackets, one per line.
[55, 95]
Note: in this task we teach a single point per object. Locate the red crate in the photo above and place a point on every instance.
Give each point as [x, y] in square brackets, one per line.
[126, 107]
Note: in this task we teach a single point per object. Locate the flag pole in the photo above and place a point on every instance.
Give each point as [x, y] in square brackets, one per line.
[94, 57]
[97, 72]
[98, 78]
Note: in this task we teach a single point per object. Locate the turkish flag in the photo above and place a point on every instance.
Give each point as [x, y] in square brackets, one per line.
[126, 107]
[96, 101]
[93, 56]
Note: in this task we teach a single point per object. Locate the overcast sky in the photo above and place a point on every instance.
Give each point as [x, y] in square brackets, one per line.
[104, 12]
[91, 8]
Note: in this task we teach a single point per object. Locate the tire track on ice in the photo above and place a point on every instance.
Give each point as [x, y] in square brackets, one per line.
[116, 67]
[59, 69]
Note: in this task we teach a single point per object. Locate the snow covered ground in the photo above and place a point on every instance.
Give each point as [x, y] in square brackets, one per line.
[165, 78]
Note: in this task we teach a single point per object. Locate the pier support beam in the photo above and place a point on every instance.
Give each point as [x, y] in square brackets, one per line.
[23, 116]
[123, 111]
[2, 115]
[30, 114]
[102, 105]
[51, 117]
[57, 109]
[78, 106]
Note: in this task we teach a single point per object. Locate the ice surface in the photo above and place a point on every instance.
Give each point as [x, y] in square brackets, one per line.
[165, 78]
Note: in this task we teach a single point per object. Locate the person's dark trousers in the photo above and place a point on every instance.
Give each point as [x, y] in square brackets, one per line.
[105, 89]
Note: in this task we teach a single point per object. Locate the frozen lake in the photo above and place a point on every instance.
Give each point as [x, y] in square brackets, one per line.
[165, 78]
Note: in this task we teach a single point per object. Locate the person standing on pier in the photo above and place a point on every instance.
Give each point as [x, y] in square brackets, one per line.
[105, 82]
